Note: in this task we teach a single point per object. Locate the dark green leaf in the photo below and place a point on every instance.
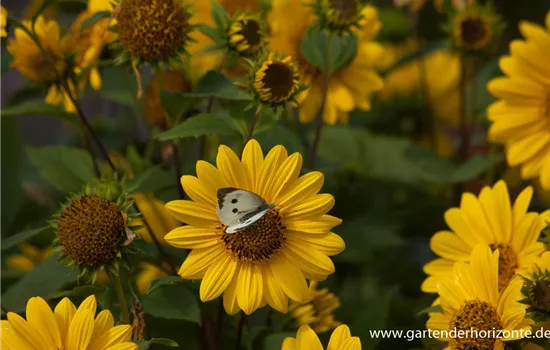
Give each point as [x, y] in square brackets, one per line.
[475, 166]
[435, 308]
[146, 344]
[172, 302]
[200, 125]
[210, 32]
[12, 193]
[343, 50]
[118, 86]
[275, 341]
[280, 135]
[152, 180]
[43, 280]
[94, 18]
[68, 169]
[21, 237]
[214, 84]
[175, 104]
[220, 15]
[165, 281]
[40, 108]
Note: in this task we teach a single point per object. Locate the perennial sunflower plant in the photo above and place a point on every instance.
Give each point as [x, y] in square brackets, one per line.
[306, 338]
[268, 263]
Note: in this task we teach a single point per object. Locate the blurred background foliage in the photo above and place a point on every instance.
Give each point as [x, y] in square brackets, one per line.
[392, 175]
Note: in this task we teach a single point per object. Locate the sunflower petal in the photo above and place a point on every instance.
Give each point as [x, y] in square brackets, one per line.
[338, 337]
[273, 294]
[232, 169]
[289, 278]
[230, 303]
[24, 330]
[311, 208]
[319, 226]
[41, 318]
[307, 339]
[191, 237]
[115, 335]
[249, 288]
[217, 277]
[80, 330]
[198, 261]
[304, 187]
[64, 313]
[192, 213]
[252, 159]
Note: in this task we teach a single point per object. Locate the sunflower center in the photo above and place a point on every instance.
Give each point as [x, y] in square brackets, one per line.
[539, 295]
[279, 81]
[44, 66]
[507, 264]
[479, 316]
[152, 30]
[258, 242]
[345, 10]
[474, 32]
[90, 230]
[251, 31]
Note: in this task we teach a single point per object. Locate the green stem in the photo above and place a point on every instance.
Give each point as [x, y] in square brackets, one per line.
[240, 329]
[253, 125]
[319, 126]
[121, 299]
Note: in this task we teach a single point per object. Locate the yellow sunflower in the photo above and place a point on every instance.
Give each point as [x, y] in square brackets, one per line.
[28, 259]
[306, 339]
[3, 21]
[470, 299]
[269, 262]
[488, 219]
[66, 327]
[318, 311]
[351, 86]
[521, 116]
[29, 60]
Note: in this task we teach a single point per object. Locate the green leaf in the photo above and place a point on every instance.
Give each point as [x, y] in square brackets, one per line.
[175, 104]
[275, 341]
[172, 302]
[146, 344]
[280, 135]
[40, 108]
[430, 309]
[210, 32]
[152, 180]
[214, 84]
[94, 18]
[165, 281]
[11, 155]
[200, 125]
[118, 86]
[21, 237]
[475, 166]
[101, 293]
[220, 15]
[343, 50]
[68, 169]
[43, 280]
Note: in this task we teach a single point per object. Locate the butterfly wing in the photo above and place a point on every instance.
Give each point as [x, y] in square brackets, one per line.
[247, 222]
[234, 204]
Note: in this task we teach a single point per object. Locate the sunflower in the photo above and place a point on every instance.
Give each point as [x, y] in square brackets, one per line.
[537, 287]
[28, 259]
[246, 35]
[348, 88]
[267, 263]
[32, 62]
[306, 339]
[521, 118]
[3, 22]
[470, 299]
[317, 311]
[66, 327]
[492, 220]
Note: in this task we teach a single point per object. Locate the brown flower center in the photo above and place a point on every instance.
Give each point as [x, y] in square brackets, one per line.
[258, 242]
[346, 10]
[251, 31]
[540, 295]
[475, 32]
[507, 264]
[479, 316]
[90, 230]
[280, 80]
[152, 30]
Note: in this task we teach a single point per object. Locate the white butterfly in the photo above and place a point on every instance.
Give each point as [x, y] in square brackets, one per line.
[238, 209]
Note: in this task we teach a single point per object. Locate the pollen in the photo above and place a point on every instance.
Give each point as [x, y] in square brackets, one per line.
[277, 80]
[152, 30]
[507, 264]
[91, 230]
[258, 242]
[475, 315]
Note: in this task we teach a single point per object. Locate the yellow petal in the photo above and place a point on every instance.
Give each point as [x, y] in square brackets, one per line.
[338, 337]
[24, 330]
[354, 343]
[521, 205]
[250, 288]
[285, 174]
[289, 344]
[89, 303]
[217, 277]
[191, 237]
[252, 159]
[41, 318]
[273, 294]
[80, 330]
[329, 243]
[116, 335]
[266, 177]
[232, 169]
[289, 278]
[64, 313]
[449, 246]
[197, 192]
[438, 321]
[211, 178]
[193, 213]
[307, 339]
[196, 263]
[321, 225]
[103, 322]
[474, 216]
[311, 208]
[484, 272]
[230, 295]
[124, 346]
[509, 299]
[304, 187]
[308, 259]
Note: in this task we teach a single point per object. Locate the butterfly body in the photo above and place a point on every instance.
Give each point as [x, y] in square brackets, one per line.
[239, 209]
